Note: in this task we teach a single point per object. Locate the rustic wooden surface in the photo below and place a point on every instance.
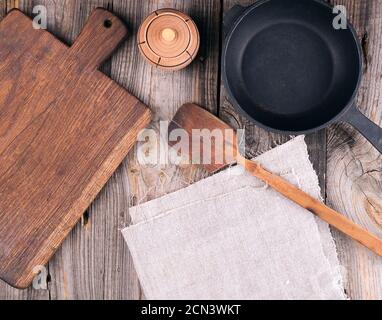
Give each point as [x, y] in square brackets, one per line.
[95, 263]
[354, 173]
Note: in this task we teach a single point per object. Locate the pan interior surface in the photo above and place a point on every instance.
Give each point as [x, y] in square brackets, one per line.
[288, 68]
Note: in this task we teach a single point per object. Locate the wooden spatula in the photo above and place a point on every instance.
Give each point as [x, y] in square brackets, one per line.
[191, 117]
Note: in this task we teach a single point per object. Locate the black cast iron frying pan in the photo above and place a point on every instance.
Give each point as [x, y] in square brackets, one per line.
[290, 71]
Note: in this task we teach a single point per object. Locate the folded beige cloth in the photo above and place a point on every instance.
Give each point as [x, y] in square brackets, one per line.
[231, 237]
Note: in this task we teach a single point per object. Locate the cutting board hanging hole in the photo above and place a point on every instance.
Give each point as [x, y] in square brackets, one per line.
[107, 23]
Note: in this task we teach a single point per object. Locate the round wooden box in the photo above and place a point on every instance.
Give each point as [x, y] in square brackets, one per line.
[169, 39]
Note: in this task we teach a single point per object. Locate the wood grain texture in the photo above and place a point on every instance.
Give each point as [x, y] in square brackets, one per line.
[337, 188]
[94, 262]
[65, 129]
[7, 292]
[354, 177]
[167, 92]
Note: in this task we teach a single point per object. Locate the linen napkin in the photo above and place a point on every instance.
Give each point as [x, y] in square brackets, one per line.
[231, 237]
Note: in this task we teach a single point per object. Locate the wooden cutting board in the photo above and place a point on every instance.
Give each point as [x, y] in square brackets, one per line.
[64, 129]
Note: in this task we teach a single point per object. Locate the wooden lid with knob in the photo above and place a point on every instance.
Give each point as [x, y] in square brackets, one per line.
[169, 39]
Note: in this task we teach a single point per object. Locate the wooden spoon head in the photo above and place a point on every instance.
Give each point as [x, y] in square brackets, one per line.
[208, 140]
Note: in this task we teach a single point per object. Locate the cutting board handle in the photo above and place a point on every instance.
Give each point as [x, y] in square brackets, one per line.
[100, 36]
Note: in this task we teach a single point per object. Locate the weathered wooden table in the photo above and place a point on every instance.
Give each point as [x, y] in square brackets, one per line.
[94, 262]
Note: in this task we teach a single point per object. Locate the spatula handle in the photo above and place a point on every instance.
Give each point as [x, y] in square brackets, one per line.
[100, 36]
[316, 207]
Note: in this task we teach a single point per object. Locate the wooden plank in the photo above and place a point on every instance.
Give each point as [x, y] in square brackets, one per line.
[94, 262]
[166, 92]
[92, 250]
[6, 291]
[354, 179]
[346, 148]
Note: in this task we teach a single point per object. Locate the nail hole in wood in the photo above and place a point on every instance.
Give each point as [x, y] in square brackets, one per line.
[107, 23]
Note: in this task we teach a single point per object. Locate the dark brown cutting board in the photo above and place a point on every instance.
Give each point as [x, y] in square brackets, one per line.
[64, 129]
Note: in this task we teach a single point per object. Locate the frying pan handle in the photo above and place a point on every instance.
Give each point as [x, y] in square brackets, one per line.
[365, 126]
[231, 16]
